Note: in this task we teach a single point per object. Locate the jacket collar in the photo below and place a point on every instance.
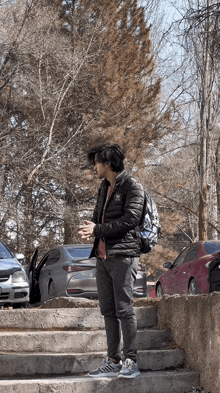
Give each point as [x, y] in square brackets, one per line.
[120, 176]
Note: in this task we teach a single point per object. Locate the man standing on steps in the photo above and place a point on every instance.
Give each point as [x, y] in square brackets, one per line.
[117, 212]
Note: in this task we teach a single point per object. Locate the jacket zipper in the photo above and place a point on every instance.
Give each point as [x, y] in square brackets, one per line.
[104, 209]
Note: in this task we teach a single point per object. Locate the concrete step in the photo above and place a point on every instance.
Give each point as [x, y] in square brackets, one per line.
[66, 318]
[179, 381]
[35, 364]
[50, 350]
[73, 341]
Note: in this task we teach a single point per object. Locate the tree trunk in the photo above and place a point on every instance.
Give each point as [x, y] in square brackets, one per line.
[206, 78]
[71, 220]
[203, 214]
[217, 177]
[29, 224]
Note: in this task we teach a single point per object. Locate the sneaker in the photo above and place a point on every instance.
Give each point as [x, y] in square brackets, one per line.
[129, 369]
[107, 369]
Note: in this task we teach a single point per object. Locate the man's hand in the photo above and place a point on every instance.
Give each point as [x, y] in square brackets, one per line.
[86, 231]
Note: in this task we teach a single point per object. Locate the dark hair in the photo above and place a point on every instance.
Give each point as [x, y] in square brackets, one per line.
[108, 153]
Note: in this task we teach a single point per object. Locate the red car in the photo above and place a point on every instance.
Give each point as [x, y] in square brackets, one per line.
[188, 274]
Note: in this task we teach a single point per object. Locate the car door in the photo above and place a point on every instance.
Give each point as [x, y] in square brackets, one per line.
[49, 272]
[34, 285]
[184, 271]
[176, 272]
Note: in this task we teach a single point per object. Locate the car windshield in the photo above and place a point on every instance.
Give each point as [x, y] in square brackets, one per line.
[79, 252]
[4, 253]
[212, 248]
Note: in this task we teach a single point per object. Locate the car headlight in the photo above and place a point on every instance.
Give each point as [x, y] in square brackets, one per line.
[19, 276]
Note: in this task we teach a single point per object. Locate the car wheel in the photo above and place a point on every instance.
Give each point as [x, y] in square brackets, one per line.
[159, 291]
[51, 290]
[193, 288]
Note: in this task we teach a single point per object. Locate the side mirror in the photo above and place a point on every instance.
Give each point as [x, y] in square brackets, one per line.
[167, 265]
[19, 257]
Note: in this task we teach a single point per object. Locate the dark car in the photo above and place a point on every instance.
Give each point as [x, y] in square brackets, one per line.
[188, 274]
[14, 285]
[68, 271]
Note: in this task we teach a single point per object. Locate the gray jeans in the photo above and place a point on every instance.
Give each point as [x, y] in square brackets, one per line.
[115, 280]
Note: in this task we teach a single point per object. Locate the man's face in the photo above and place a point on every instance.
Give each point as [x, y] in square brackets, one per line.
[101, 169]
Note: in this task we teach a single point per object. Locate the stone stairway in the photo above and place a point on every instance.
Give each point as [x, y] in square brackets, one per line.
[51, 350]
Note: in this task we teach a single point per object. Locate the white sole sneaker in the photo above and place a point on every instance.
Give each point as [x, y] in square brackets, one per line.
[133, 375]
[129, 369]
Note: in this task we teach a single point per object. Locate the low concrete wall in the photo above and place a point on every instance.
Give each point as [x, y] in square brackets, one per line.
[194, 322]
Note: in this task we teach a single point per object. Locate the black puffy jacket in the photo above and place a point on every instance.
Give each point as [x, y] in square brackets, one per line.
[121, 216]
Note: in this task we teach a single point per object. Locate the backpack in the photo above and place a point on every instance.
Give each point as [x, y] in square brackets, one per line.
[214, 274]
[149, 228]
